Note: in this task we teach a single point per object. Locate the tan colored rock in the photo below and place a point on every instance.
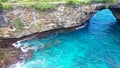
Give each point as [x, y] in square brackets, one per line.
[34, 21]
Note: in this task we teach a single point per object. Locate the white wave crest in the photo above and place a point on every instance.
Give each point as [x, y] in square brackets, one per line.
[41, 45]
[17, 44]
[17, 65]
[81, 26]
[26, 47]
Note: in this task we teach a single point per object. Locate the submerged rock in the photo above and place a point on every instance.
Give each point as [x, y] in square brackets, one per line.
[10, 55]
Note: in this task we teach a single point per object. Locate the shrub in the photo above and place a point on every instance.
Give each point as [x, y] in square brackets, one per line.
[39, 25]
[2, 55]
[1, 7]
[71, 2]
[106, 1]
[43, 6]
[48, 0]
[30, 0]
[7, 7]
[3, 0]
[112, 1]
[74, 2]
[19, 25]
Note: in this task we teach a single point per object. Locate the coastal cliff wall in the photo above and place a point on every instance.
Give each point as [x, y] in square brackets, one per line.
[116, 10]
[24, 21]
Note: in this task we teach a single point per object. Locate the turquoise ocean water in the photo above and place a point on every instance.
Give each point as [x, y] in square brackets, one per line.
[95, 46]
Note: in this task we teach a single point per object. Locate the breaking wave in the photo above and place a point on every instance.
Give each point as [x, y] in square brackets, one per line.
[17, 65]
[26, 47]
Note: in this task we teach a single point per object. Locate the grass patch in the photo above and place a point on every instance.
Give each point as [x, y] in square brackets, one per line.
[7, 7]
[15, 1]
[105, 1]
[45, 4]
[73, 2]
[70, 1]
[78, 2]
[32, 25]
[48, 0]
[4, 0]
[19, 25]
[1, 7]
[42, 6]
[39, 25]
[2, 55]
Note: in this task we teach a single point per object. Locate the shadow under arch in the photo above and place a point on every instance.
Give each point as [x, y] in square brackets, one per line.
[101, 22]
[115, 9]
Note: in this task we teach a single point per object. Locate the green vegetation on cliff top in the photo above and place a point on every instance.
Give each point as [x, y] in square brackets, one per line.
[17, 1]
[46, 4]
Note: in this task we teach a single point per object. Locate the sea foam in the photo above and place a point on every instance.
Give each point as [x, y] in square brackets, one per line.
[17, 65]
[26, 46]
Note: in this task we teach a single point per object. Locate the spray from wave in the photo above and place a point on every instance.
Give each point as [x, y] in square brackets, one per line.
[17, 65]
[25, 47]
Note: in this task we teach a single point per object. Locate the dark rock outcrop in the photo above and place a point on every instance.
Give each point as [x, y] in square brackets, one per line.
[3, 23]
[115, 9]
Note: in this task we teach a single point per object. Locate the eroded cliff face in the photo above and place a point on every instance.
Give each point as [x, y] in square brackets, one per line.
[20, 22]
[25, 21]
[116, 10]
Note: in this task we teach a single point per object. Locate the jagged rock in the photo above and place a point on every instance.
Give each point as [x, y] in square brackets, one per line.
[63, 16]
[115, 10]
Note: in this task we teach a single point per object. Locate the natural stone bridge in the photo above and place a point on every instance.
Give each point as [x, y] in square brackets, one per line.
[40, 24]
[62, 17]
[115, 10]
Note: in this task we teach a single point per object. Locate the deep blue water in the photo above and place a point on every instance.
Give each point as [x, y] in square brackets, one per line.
[95, 46]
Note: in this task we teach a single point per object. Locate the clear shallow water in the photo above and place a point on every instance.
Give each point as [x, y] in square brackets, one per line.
[95, 46]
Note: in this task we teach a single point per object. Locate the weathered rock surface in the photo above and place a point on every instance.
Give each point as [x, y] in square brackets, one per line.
[38, 21]
[63, 16]
[11, 55]
[115, 10]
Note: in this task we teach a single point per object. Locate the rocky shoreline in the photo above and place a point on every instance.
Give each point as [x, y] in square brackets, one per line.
[16, 54]
[23, 21]
[63, 18]
[59, 20]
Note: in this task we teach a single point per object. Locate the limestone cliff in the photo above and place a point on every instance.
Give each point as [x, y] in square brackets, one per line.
[115, 10]
[23, 21]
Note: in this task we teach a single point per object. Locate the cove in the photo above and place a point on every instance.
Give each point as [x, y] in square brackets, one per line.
[95, 46]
